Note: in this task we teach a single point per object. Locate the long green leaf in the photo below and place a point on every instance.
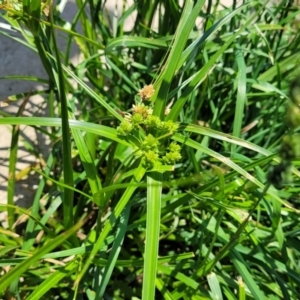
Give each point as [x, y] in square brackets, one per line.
[140, 171]
[52, 280]
[66, 137]
[241, 94]
[114, 253]
[198, 78]
[100, 130]
[242, 268]
[16, 272]
[154, 188]
[184, 28]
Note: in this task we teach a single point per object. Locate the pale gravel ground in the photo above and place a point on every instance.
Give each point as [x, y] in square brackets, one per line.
[16, 59]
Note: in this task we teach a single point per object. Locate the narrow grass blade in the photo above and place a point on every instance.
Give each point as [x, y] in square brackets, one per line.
[189, 282]
[101, 130]
[242, 289]
[242, 268]
[241, 95]
[285, 65]
[114, 253]
[67, 160]
[65, 186]
[160, 284]
[90, 92]
[192, 50]
[135, 41]
[11, 182]
[88, 162]
[154, 182]
[215, 290]
[52, 280]
[25, 78]
[226, 138]
[6, 249]
[230, 164]
[140, 171]
[187, 22]
[30, 236]
[33, 10]
[21, 211]
[198, 78]
[17, 271]
[13, 158]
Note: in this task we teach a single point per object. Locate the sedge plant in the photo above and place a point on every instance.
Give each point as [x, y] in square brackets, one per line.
[160, 181]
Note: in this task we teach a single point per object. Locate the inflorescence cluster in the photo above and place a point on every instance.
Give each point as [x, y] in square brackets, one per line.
[151, 147]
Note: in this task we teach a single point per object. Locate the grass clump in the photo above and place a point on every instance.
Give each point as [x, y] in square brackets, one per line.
[185, 188]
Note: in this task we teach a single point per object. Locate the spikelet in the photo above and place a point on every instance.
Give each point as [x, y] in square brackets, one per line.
[146, 92]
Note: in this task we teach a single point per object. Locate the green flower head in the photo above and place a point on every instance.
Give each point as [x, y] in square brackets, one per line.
[150, 142]
[137, 119]
[151, 157]
[169, 126]
[125, 127]
[153, 121]
[171, 157]
[174, 147]
[141, 109]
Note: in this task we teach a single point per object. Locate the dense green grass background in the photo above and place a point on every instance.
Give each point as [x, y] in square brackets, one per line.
[220, 223]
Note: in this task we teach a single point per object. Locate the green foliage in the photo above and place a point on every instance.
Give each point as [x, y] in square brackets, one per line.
[165, 140]
[290, 145]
